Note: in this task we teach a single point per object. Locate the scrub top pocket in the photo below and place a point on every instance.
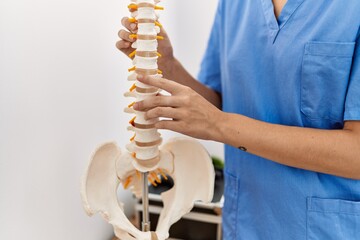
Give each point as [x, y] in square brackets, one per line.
[324, 81]
[332, 219]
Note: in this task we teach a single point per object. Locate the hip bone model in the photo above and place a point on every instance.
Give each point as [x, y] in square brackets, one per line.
[182, 159]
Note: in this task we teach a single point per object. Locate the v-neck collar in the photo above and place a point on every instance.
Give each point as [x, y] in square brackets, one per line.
[276, 24]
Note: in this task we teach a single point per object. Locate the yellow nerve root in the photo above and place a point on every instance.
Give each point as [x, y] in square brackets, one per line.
[155, 176]
[132, 69]
[131, 105]
[152, 181]
[133, 6]
[133, 138]
[132, 121]
[159, 8]
[132, 54]
[127, 183]
[133, 36]
[138, 175]
[163, 174]
[132, 87]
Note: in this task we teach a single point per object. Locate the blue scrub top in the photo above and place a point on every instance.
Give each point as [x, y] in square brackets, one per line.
[302, 69]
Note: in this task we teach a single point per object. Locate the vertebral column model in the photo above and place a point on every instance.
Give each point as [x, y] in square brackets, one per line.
[145, 143]
[182, 159]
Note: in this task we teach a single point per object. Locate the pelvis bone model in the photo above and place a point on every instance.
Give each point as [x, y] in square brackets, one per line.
[184, 160]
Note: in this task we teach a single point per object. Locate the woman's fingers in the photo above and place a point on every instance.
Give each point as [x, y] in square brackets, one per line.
[125, 35]
[171, 125]
[124, 46]
[132, 27]
[167, 85]
[165, 112]
[121, 45]
[157, 101]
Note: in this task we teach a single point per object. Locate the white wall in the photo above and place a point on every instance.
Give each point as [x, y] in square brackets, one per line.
[61, 85]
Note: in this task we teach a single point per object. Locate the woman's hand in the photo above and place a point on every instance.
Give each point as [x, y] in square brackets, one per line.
[166, 60]
[186, 111]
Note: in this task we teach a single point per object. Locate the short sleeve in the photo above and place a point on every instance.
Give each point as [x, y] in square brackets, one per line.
[352, 104]
[210, 73]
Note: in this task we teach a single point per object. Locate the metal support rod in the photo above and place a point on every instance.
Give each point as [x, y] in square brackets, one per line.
[145, 201]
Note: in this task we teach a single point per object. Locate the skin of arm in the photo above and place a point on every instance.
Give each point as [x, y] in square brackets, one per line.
[193, 110]
[335, 152]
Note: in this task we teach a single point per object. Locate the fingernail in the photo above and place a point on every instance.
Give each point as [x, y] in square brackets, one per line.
[133, 26]
[140, 77]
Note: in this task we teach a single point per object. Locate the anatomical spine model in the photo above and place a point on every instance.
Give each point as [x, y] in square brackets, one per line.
[184, 160]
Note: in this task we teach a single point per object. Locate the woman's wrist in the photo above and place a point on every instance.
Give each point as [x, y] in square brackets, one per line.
[218, 125]
[168, 66]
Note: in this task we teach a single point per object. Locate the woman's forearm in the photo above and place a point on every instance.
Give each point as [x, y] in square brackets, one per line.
[335, 152]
